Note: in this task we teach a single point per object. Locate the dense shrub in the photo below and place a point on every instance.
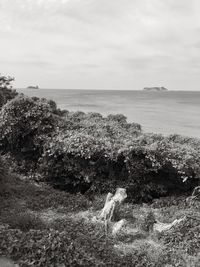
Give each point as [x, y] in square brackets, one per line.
[163, 165]
[2, 171]
[25, 124]
[179, 153]
[147, 165]
[3, 176]
[6, 92]
[72, 161]
[81, 152]
[114, 127]
[87, 151]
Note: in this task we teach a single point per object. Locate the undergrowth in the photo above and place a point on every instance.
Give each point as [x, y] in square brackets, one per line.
[30, 240]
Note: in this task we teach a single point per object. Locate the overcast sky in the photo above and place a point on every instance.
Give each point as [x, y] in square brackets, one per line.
[101, 44]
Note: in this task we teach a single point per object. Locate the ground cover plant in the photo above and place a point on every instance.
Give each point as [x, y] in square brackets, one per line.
[64, 234]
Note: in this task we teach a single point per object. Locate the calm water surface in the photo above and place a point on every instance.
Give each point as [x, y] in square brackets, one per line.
[160, 112]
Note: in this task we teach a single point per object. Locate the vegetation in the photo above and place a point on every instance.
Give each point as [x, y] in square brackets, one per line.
[62, 231]
[25, 124]
[3, 177]
[6, 92]
[98, 154]
[44, 148]
[81, 152]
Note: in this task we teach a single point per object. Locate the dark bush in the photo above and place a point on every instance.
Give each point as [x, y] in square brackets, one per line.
[25, 124]
[80, 152]
[87, 152]
[148, 166]
[71, 161]
[6, 92]
[3, 176]
[2, 98]
[2, 171]
[117, 117]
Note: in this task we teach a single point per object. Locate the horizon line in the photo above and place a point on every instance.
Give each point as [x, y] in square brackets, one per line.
[110, 89]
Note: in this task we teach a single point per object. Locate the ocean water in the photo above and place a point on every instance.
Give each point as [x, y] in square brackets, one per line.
[159, 112]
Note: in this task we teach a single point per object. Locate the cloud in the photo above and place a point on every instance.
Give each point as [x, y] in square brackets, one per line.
[81, 42]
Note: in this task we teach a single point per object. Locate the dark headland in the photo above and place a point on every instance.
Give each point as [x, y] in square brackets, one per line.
[33, 87]
[155, 88]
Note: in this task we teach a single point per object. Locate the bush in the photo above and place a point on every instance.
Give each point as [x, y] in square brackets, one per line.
[2, 171]
[164, 165]
[3, 177]
[25, 123]
[87, 151]
[148, 166]
[179, 153]
[6, 92]
[69, 161]
[99, 153]
[79, 152]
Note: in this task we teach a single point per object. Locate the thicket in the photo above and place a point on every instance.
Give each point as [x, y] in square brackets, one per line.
[3, 175]
[25, 124]
[147, 165]
[82, 152]
[98, 154]
[6, 91]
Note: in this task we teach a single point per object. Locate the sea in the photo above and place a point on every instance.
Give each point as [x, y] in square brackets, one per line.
[165, 112]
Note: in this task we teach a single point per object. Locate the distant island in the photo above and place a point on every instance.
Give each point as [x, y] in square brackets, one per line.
[155, 89]
[33, 87]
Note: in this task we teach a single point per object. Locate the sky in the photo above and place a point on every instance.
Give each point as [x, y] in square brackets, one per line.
[101, 44]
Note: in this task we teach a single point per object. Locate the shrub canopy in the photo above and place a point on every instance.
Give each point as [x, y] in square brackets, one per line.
[6, 92]
[79, 152]
[106, 152]
[25, 124]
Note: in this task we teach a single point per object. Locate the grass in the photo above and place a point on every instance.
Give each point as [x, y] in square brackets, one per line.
[40, 226]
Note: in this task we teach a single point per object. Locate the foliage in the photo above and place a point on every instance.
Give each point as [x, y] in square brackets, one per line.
[148, 222]
[80, 152]
[87, 150]
[65, 241]
[25, 123]
[180, 153]
[2, 171]
[24, 221]
[99, 153]
[5, 177]
[185, 236]
[76, 243]
[90, 153]
[52, 247]
[6, 91]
